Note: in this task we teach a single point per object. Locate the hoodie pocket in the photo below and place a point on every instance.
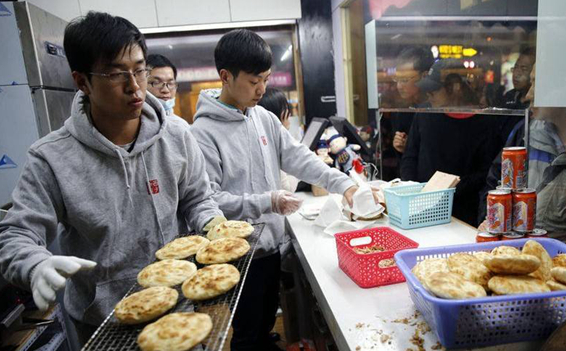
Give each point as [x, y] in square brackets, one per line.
[107, 295]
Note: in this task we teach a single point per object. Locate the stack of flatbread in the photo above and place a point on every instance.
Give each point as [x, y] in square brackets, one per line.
[505, 270]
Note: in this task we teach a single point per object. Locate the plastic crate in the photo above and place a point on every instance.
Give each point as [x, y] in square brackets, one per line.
[408, 208]
[364, 269]
[490, 320]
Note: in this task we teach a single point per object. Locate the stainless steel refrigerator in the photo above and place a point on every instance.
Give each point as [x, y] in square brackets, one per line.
[36, 87]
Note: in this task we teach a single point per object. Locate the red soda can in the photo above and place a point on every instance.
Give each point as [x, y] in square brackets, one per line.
[524, 210]
[512, 236]
[499, 206]
[513, 167]
[483, 237]
[538, 233]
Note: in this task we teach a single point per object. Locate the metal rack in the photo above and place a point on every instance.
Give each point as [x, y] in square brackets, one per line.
[111, 335]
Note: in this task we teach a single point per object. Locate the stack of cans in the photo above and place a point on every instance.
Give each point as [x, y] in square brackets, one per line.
[511, 208]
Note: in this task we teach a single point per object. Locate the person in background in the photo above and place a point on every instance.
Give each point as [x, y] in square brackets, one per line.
[162, 81]
[516, 98]
[113, 176]
[276, 102]
[546, 165]
[459, 144]
[245, 148]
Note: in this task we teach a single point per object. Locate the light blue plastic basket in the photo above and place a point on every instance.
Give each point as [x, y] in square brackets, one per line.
[490, 320]
[408, 208]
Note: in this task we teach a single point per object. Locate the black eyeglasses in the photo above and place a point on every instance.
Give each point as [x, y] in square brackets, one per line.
[140, 75]
[159, 85]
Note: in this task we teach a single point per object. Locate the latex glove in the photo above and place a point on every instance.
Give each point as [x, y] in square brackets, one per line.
[284, 202]
[213, 223]
[51, 275]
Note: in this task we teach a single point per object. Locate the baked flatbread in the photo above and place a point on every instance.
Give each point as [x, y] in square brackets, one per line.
[559, 260]
[516, 284]
[175, 332]
[231, 229]
[505, 250]
[166, 273]
[555, 286]
[425, 268]
[534, 248]
[181, 248]
[223, 250]
[559, 274]
[482, 255]
[512, 264]
[453, 286]
[211, 281]
[146, 305]
[470, 268]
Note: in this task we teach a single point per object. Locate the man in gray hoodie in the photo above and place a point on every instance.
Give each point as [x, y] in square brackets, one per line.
[245, 148]
[117, 177]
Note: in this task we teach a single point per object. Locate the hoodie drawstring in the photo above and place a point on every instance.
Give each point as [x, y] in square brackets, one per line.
[126, 177]
[148, 185]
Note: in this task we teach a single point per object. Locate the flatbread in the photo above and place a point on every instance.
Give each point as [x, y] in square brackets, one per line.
[223, 250]
[146, 305]
[512, 264]
[482, 255]
[425, 268]
[181, 248]
[175, 332]
[470, 268]
[559, 260]
[555, 286]
[517, 284]
[211, 281]
[532, 247]
[505, 250]
[453, 286]
[166, 273]
[230, 229]
[559, 274]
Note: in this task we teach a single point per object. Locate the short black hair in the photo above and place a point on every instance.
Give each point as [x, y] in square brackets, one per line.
[99, 37]
[420, 57]
[242, 50]
[274, 101]
[158, 61]
[529, 51]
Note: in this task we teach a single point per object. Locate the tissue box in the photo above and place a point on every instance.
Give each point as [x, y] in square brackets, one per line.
[372, 269]
[318, 191]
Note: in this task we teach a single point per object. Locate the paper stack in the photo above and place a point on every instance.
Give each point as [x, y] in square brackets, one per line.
[441, 181]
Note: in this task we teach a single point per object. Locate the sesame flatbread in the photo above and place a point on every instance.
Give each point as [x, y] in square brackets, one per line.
[532, 247]
[181, 248]
[175, 332]
[512, 264]
[426, 267]
[211, 281]
[470, 268]
[146, 305]
[453, 286]
[166, 273]
[505, 250]
[516, 284]
[223, 250]
[482, 255]
[230, 229]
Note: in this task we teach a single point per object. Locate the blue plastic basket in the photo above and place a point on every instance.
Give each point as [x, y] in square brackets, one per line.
[408, 208]
[490, 320]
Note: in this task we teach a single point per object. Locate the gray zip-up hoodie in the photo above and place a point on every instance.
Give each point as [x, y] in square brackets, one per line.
[117, 208]
[245, 153]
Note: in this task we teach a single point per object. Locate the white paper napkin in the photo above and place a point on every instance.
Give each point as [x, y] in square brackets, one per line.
[330, 212]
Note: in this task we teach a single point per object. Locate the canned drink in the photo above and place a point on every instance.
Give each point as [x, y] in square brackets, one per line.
[513, 167]
[483, 237]
[499, 206]
[512, 236]
[524, 210]
[538, 233]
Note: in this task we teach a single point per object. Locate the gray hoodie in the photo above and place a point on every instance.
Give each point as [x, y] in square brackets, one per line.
[245, 154]
[117, 208]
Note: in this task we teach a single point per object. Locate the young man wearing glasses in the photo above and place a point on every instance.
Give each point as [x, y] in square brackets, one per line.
[162, 81]
[117, 177]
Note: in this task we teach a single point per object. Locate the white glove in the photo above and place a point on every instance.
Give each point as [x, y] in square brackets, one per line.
[213, 223]
[284, 202]
[51, 275]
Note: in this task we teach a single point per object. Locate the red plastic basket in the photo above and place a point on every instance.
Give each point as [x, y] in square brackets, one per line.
[364, 268]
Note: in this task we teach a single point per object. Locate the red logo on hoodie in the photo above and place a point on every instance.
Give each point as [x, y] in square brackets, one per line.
[264, 139]
[153, 187]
